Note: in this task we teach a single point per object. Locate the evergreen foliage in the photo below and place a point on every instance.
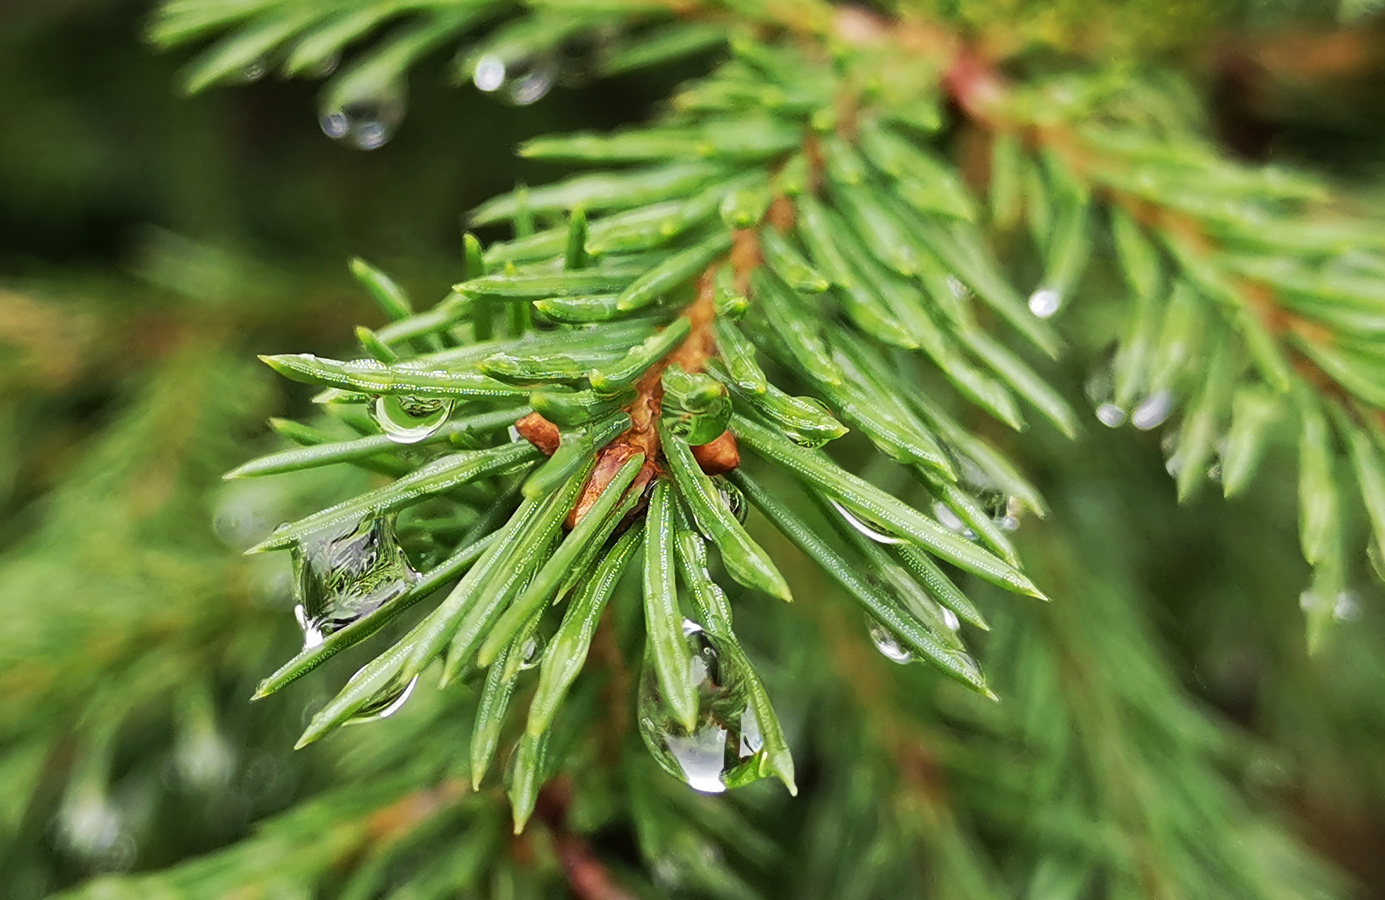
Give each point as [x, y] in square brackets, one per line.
[802, 314]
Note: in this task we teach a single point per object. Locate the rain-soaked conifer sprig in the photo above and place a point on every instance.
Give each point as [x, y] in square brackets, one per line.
[1254, 299]
[786, 256]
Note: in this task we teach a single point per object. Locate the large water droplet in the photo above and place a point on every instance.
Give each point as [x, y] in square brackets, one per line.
[346, 573]
[725, 745]
[408, 420]
[384, 704]
[888, 645]
[1153, 410]
[520, 82]
[367, 123]
[860, 525]
[1045, 301]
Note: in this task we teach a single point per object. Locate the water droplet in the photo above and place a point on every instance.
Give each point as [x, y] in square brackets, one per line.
[323, 67]
[204, 759]
[888, 645]
[1044, 302]
[385, 704]
[1173, 460]
[408, 420]
[1099, 391]
[950, 619]
[1153, 410]
[520, 82]
[367, 123]
[725, 744]
[1110, 415]
[346, 573]
[254, 70]
[951, 521]
[732, 497]
[868, 530]
[91, 827]
[533, 653]
[1346, 608]
[1004, 510]
[958, 289]
[489, 73]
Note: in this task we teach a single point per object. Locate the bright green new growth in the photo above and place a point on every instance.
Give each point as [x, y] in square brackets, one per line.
[786, 254]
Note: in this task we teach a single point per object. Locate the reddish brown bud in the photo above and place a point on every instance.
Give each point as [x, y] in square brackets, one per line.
[719, 456]
[540, 432]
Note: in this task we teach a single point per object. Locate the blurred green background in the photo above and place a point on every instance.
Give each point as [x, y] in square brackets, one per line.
[151, 245]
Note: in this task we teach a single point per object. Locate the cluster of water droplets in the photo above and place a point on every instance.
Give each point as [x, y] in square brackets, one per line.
[725, 745]
[406, 419]
[366, 122]
[1344, 604]
[1149, 413]
[521, 81]
[346, 572]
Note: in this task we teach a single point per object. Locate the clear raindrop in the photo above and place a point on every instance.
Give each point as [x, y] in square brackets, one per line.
[346, 573]
[408, 420]
[1045, 301]
[1153, 410]
[732, 497]
[1099, 391]
[367, 123]
[869, 531]
[950, 619]
[532, 653]
[725, 745]
[384, 704]
[951, 521]
[888, 645]
[1110, 415]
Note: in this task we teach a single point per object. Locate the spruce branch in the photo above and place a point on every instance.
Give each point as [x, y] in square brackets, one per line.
[785, 255]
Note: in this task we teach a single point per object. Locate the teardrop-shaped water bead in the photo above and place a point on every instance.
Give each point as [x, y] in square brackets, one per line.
[531, 653]
[384, 704]
[1153, 410]
[408, 420]
[870, 530]
[951, 521]
[1100, 391]
[732, 497]
[888, 644]
[366, 123]
[345, 573]
[724, 747]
